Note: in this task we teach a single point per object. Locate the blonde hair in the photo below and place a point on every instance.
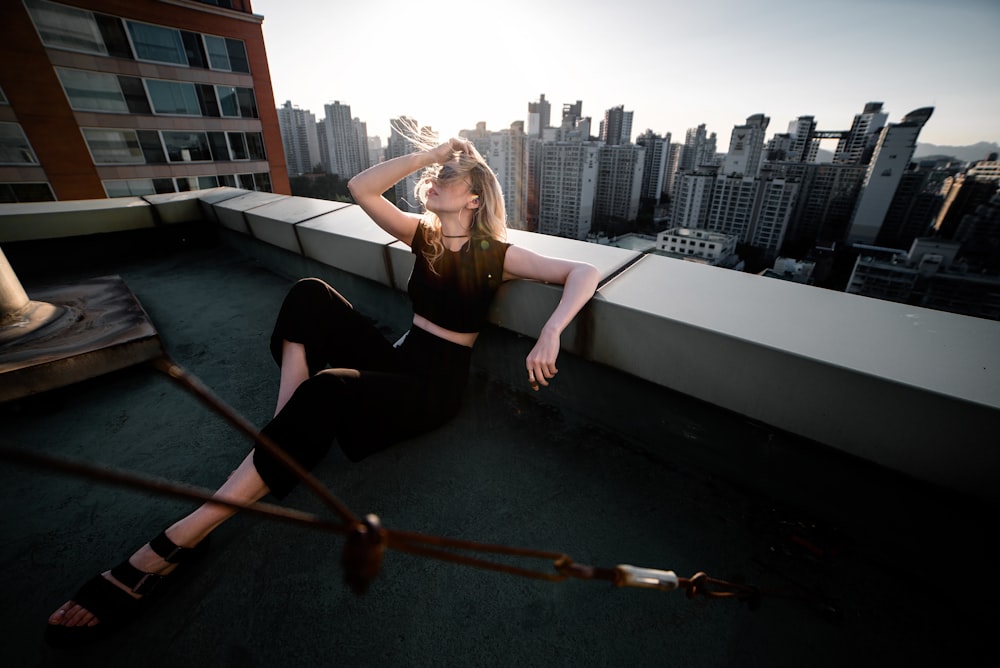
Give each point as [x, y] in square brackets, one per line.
[489, 219]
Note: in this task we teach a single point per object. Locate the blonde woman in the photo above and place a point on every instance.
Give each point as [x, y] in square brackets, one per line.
[342, 380]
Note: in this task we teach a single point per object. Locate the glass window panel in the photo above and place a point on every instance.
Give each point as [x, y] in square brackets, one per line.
[228, 101]
[186, 183]
[205, 182]
[173, 97]
[255, 145]
[113, 32]
[220, 148]
[162, 45]
[92, 91]
[14, 146]
[164, 186]
[246, 181]
[26, 192]
[206, 98]
[62, 27]
[237, 56]
[129, 188]
[113, 146]
[262, 181]
[194, 49]
[248, 105]
[152, 149]
[218, 55]
[227, 180]
[238, 145]
[187, 146]
[135, 95]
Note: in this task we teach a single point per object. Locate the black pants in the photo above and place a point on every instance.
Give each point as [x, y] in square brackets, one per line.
[391, 394]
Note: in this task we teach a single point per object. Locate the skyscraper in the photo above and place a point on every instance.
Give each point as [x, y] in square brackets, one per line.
[670, 170]
[299, 137]
[571, 114]
[804, 146]
[539, 114]
[616, 128]
[134, 98]
[506, 155]
[699, 149]
[566, 184]
[619, 183]
[654, 171]
[746, 146]
[857, 146]
[346, 146]
[773, 210]
[895, 148]
[733, 203]
[692, 199]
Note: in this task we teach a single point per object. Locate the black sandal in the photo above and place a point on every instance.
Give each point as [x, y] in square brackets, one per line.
[110, 604]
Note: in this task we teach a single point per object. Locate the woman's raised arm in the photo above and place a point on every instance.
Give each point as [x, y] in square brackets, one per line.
[368, 186]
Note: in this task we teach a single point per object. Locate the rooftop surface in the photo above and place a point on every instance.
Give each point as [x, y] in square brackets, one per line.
[873, 568]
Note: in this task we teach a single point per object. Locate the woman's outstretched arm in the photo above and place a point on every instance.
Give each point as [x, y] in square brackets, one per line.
[579, 281]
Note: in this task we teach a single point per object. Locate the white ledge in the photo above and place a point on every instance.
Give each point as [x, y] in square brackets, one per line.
[912, 389]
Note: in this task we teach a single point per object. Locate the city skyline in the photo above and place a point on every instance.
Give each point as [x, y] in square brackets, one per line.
[678, 68]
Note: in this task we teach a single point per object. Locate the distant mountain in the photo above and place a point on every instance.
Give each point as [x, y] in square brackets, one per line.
[978, 151]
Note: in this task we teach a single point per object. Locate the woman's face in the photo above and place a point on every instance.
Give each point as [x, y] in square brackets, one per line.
[449, 191]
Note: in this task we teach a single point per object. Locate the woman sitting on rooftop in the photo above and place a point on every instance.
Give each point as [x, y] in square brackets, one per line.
[342, 380]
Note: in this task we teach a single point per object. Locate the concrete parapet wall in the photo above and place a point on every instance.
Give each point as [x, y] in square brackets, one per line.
[911, 389]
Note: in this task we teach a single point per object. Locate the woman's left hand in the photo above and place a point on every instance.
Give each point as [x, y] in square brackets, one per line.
[541, 360]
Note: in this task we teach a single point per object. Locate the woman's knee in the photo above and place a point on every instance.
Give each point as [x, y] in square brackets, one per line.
[315, 291]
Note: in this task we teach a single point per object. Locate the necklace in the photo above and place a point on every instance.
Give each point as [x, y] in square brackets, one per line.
[456, 236]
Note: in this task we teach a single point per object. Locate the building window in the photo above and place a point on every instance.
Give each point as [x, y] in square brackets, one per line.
[220, 147]
[228, 104]
[113, 147]
[262, 181]
[255, 144]
[26, 192]
[173, 97]
[152, 148]
[62, 27]
[187, 146]
[194, 49]
[92, 91]
[129, 188]
[156, 43]
[135, 95]
[238, 146]
[228, 55]
[14, 146]
[247, 102]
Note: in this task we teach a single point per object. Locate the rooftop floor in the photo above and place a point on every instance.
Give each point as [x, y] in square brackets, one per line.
[899, 561]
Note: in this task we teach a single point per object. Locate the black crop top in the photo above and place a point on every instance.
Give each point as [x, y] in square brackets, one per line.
[458, 296]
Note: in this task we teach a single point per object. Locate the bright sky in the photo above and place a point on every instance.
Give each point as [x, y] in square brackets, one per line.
[675, 64]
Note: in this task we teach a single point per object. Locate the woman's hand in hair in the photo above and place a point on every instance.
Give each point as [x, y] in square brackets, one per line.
[445, 152]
